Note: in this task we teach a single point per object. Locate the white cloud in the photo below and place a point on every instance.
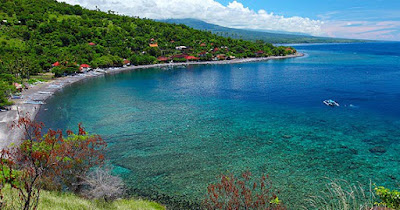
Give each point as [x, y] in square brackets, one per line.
[234, 15]
[373, 30]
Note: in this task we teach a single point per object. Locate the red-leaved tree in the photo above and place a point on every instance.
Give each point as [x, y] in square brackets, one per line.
[242, 193]
[48, 159]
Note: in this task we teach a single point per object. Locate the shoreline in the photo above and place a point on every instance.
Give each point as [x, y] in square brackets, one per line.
[43, 91]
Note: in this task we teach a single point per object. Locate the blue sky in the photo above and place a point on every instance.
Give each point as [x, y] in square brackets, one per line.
[368, 19]
[365, 19]
[360, 10]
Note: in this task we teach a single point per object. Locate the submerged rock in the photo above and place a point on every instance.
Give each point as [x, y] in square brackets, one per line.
[353, 151]
[371, 141]
[377, 150]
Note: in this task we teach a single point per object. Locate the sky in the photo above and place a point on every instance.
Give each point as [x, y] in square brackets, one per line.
[366, 19]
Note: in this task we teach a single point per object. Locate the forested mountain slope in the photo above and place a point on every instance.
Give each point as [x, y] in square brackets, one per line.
[34, 34]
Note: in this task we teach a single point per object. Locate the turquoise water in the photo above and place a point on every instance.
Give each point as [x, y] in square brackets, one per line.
[172, 132]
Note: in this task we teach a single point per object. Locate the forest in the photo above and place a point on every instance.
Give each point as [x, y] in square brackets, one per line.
[38, 36]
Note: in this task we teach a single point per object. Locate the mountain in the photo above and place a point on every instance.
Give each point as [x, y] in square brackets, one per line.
[271, 37]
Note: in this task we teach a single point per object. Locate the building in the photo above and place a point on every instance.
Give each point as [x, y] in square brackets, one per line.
[127, 62]
[259, 53]
[181, 48]
[84, 68]
[153, 45]
[163, 59]
[55, 64]
[18, 87]
[192, 58]
[221, 57]
[92, 44]
[203, 54]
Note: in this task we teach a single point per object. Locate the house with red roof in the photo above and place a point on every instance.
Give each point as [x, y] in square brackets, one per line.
[221, 57]
[92, 44]
[55, 64]
[290, 50]
[84, 67]
[203, 44]
[192, 58]
[163, 59]
[127, 62]
[259, 53]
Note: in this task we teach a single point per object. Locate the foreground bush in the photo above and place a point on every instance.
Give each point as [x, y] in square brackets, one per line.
[389, 198]
[47, 160]
[100, 184]
[242, 193]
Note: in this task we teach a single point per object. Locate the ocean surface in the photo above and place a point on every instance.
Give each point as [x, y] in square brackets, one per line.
[172, 131]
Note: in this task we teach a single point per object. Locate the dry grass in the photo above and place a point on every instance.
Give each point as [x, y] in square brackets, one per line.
[340, 194]
[67, 201]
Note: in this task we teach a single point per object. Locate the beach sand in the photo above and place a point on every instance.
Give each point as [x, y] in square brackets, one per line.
[43, 91]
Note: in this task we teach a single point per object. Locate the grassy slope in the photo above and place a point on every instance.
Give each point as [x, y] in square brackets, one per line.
[60, 201]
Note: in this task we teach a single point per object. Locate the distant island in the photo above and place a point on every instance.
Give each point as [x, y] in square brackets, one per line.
[253, 35]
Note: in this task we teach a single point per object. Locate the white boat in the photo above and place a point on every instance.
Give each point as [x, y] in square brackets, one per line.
[55, 86]
[44, 92]
[331, 103]
[34, 102]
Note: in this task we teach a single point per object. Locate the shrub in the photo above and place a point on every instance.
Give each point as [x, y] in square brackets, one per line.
[242, 193]
[101, 184]
[389, 198]
[60, 71]
[179, 60]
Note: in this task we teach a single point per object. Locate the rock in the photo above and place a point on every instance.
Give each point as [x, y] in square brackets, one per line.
[377, 150]
[353, 151]
[370, 141]
[353, 165]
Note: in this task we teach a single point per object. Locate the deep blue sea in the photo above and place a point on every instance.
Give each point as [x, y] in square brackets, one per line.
[173, 131]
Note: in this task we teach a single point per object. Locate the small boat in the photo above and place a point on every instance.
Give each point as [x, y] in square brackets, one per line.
[44, 92]
[331, 103]
[16, 97]
[34, 102]
[55, 86]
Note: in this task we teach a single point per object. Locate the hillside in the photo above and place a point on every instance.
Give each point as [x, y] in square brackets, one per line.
[257, 35]
[34, 34]
[63, 201]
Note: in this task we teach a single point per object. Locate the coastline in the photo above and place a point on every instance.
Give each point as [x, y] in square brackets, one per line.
[43, 91]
